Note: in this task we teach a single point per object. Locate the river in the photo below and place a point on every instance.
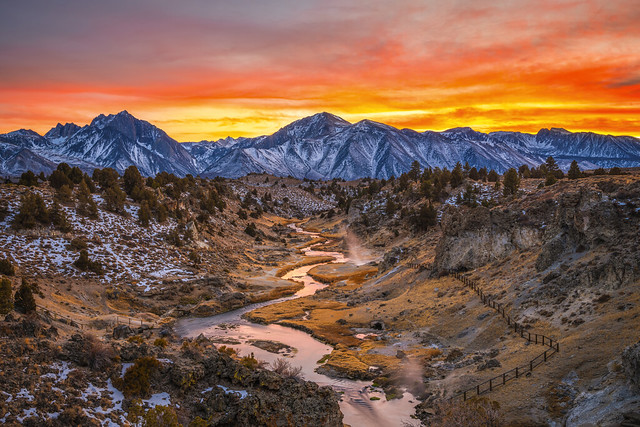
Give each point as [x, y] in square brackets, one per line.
[355, 404]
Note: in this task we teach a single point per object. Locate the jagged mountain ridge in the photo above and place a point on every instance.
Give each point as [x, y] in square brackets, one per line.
[322, 146]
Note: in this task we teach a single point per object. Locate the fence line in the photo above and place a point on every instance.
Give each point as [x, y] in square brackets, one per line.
[502, 379]
[120, 320]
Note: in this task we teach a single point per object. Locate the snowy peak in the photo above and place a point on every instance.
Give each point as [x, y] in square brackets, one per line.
[62, 131]
[318, 125]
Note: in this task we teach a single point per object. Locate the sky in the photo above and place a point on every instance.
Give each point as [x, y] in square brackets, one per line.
[207, 69]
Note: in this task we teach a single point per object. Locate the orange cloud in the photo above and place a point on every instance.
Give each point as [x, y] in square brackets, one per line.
[205, 70]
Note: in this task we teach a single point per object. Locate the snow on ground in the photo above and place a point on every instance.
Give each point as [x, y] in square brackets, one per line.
[62, 371]
[129, 253]
[157, 399]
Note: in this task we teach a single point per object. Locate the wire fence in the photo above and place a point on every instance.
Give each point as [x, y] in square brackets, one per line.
[519, 371]
[107, 325]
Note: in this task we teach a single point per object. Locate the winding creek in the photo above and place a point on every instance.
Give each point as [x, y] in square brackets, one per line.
[356, 403]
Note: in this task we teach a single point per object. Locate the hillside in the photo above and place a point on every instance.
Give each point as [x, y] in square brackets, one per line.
[216, 247]
[118, 264]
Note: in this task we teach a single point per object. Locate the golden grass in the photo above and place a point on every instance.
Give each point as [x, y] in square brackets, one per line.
[311, 242]
[306, 261]
[282, 291]
[359, 275]
[332, 236]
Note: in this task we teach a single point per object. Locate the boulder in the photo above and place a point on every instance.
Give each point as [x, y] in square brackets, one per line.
[122, 331]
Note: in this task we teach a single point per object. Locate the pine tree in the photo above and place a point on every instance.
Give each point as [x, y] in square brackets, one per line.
[492, 176]
[32, 211]
[24, 300]
[6, 267]
[132, 179]
[114, 199]
[414, 172]
[6, 300]
[574, 171]
[64, 194]
[83, 263]
[511, 182]
[86, 205]
[59, 218]
[29, 179]
[553, 168]
[456, 176]
[425, 217]
[144, 214]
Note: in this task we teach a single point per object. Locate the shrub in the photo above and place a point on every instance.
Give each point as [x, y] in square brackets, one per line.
[551, 179]
[425, 217]
[472, 413]
[83, 263]
[95, 354]
[229, 351]
[615, 171]
[77, 244]
[283, 368]
[6, 267]
[137, 378]
[4, 210]
[135, 339]
[161, 342]
[161, 416]
[6, 300]
[251, 229]
[250, 361]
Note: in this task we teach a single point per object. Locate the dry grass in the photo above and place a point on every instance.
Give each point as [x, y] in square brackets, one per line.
[282, 291]
[311, 242]
[334, 273]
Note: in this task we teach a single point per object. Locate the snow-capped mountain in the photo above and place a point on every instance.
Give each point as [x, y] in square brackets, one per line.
[322, 146]
[117, 141]
[325, 146]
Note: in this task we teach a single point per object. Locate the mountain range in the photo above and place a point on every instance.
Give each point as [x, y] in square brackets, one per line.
[322, 146]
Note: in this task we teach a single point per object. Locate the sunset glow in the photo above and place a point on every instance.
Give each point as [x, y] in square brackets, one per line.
[210, 69]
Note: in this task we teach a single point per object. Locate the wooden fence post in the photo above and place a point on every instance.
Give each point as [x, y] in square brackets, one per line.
[516, 372]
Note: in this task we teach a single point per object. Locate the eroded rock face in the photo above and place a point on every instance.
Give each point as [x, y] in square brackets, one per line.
[474, 237]
[631, 364]
[559, 223]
